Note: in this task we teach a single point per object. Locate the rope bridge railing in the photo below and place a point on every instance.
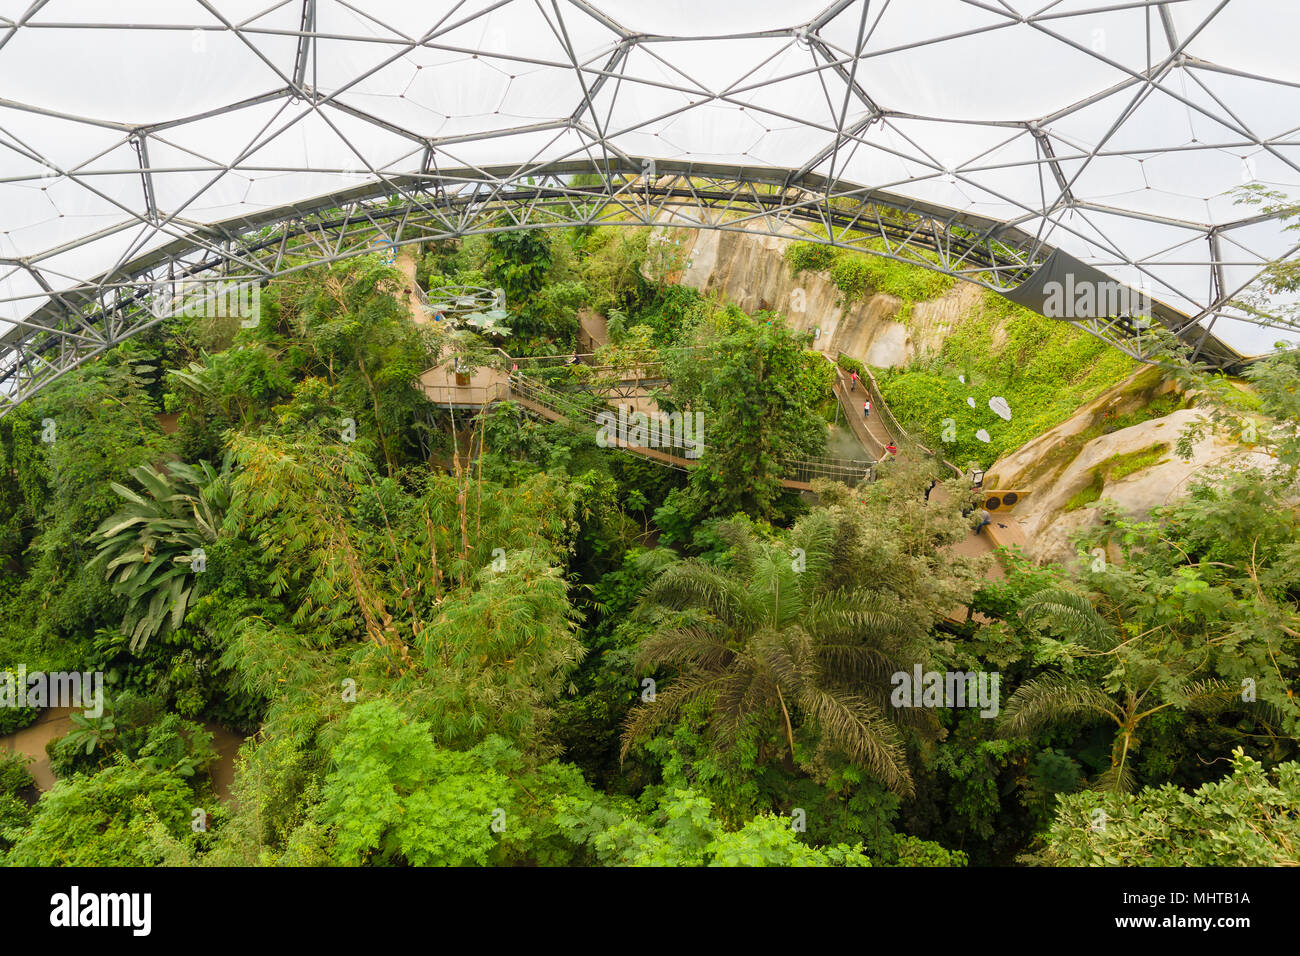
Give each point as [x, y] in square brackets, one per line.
[893, 427]
[849, 471]
[675, 434]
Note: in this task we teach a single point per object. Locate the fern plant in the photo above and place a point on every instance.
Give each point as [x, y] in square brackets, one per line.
[89, 734]
[153, 549]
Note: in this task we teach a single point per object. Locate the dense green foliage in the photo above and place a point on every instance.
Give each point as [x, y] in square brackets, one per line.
[857, 275]
[1246, 819]
[461, 638]
[155, 548]
[756, 387]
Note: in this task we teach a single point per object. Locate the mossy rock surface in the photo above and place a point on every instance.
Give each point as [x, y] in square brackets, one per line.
[1116, 468]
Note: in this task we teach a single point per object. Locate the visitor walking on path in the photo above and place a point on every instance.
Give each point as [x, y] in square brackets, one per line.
[854, 378]
[892, 449]
[866, 410]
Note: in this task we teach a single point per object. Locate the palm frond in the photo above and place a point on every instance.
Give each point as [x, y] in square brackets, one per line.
[815, 535]
[744, 550]
[646, 718]
[682, 646]
[1115, 779]
[859, 615]
[854, 726]
[1072, 613]
[695, 583]
[1208, 695]
[1050, 698]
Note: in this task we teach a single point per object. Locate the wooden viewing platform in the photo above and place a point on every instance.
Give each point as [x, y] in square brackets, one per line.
[485, 386]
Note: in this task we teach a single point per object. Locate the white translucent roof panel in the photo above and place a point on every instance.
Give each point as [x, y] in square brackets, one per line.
[1116, 131]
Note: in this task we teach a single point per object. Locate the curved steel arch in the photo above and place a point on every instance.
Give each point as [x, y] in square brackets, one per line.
[76, 324]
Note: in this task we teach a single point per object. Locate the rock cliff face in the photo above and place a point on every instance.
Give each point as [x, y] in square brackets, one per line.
[751, 272]
[1072, 468]
[1069, 469]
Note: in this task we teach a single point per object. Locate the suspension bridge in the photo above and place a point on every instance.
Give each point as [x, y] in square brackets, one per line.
[581, 392]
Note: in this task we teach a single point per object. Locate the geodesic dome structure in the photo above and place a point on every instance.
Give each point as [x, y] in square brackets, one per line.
[145, 141]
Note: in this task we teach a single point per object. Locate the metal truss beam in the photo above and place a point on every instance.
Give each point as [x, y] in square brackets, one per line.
[74, 325]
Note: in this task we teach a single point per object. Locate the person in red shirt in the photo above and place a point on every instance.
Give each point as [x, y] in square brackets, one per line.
[892, 448]
[854, 378]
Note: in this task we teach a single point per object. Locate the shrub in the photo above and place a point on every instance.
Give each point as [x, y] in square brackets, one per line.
[852, 275]
[15, 815]
[813, 256]
[913, 851]
[1113, 469]
[850, 364]
[1245, 819]
[14, 775]
[1086, 495]
[106, 819]
[1124, 465]
[16, 718]
[858, 275]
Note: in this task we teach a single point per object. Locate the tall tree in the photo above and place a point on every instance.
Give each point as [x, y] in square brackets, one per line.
[757, 387]
[766, 644]
[362, 343]
[1141, 669]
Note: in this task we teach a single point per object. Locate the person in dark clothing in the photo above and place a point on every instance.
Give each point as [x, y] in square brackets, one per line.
[933, 482]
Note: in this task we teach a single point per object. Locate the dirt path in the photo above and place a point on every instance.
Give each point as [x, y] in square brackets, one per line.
[406, 265]
[53, 723]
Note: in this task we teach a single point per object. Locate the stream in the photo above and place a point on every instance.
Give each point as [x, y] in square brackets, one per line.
[54, 722]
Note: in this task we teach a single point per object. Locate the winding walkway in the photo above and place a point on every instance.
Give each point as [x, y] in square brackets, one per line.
[488, 385]
[877, 431]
